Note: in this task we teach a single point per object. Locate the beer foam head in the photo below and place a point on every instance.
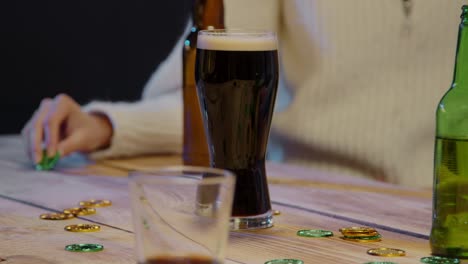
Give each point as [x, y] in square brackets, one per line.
[236, 40]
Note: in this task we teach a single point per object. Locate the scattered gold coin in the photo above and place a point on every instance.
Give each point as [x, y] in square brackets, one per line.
[95, 203]
[354, 230]
[83, 228]
[56, 216]
[361, 240]
[386, 252]
[276, 212]
[358, 235]
[80, 211]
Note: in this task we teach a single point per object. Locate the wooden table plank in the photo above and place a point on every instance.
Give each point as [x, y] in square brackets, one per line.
[307, 198]
[57, 191]
[379, 203]
[282, 242]
[23, 233]
[142, 162]
[375, 209]
[378, 208]
[13, 154]
[24, 238]
[293, 175]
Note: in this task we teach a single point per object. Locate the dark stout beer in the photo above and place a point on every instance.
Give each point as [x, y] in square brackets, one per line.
[237, 79]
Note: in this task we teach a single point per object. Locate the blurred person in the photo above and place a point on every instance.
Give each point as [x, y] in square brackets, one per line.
[364, 78]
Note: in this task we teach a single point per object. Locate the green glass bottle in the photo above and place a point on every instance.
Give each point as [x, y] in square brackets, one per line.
[449, 234]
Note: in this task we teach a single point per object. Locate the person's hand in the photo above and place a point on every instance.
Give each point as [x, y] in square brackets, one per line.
[59, 125]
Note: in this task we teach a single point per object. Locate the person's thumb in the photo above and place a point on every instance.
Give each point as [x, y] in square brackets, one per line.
[74, 142]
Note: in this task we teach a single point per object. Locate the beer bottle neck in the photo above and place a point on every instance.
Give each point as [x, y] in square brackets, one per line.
[460, 78]
[208, 14]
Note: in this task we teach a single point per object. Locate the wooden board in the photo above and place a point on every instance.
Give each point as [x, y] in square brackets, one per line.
[282, 242]
[23, 233]
[378, 208]
[24, 238]
[306, 197]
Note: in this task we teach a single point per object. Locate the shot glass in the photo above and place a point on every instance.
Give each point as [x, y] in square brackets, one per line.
[181, 214]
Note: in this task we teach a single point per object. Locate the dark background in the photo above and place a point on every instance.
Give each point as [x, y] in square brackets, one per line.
[89, 49]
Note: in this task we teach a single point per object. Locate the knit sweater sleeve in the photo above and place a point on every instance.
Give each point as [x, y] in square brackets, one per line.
[154, 124]
[150, 126]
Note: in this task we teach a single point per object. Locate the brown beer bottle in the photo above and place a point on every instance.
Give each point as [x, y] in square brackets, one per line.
[206, 14]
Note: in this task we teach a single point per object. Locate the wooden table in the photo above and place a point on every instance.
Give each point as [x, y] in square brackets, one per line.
[308, 199]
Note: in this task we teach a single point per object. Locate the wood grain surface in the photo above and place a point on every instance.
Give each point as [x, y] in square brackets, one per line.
[307, 199]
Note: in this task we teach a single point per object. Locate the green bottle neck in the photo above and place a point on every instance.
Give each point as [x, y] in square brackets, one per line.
[460, 78]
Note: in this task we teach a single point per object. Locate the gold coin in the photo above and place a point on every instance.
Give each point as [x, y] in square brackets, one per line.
[80, 211]
[276, 212]
[83, 228]
[358, 235]
[56, 216]
[386, 252]
[357, 229]
[95, 203]
[361, 240]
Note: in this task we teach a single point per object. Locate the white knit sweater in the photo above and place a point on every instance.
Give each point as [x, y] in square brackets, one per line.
[364, 79]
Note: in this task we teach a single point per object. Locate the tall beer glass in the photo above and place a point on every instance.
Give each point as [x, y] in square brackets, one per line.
[236, 75]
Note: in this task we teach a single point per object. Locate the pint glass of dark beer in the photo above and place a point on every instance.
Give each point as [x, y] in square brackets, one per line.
[236, 74]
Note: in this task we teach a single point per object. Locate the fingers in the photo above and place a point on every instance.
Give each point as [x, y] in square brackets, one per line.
[59, 111]
[72, 143]
[44, 127]
[93, 131]
[33, 132]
